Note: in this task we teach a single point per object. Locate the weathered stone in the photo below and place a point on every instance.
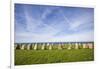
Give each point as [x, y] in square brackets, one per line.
[23, 46]
[48, 44]
[84, 45]
[90, 45]
[59, 47]
[69, 47]
[35, 47]
[28, 46]
[43, 46]
[50, 47]
[76, 46]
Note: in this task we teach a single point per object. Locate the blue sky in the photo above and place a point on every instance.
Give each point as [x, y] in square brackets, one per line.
[44, 23]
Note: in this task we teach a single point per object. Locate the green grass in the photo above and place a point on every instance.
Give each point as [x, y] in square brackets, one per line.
[26, 57]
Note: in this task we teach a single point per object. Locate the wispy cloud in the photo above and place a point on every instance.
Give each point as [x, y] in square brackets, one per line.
[53, 24]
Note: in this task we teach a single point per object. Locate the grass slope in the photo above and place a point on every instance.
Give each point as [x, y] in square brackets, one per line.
[26, 57]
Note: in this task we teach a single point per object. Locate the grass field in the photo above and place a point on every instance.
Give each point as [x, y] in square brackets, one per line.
[27, 57]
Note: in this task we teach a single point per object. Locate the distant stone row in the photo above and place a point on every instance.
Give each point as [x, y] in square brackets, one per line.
[50, 46]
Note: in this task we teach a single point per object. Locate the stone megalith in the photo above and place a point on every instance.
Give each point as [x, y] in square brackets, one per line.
[84, 45]
[43, 46]
[28, 46]
[35, 46]
[59, 47]
[22, 46]
[90, 45]
[69, 46]
[76, 46]
[50, 47]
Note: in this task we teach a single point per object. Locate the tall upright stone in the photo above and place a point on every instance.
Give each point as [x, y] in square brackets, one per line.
[59, 47]
[35, 46]
[48, 44]
[23, 47]
[28, 46]
[69, 47]
[50, 47]
[90, 45]
[43, 46]
[76, 45]
[87, 45]
[84, 45]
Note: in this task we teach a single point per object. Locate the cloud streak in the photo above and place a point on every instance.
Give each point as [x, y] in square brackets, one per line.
[51, 24]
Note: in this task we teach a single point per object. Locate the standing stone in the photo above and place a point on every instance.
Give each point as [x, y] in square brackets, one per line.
[80, 45]
[18, 46]
[23, 46]
[43, 46]
[76, 46]
[59, 47]
[35, 47]
[50, 47]
[87, 46]
[69, 47]
[28, 46]
[32, 45]
[90, 45]
[48, 44]
[84, 45]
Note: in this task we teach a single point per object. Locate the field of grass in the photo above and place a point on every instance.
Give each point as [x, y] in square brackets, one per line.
[27, 57]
